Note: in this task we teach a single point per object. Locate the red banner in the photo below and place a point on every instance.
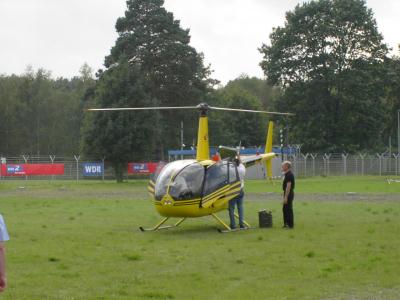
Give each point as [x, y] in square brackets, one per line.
[142, 168]
[31, 169]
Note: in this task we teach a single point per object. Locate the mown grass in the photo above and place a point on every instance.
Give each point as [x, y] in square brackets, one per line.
[339, 184]
[81, 241]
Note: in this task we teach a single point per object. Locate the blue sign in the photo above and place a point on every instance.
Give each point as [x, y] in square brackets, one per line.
[15, 169]
[93, 169]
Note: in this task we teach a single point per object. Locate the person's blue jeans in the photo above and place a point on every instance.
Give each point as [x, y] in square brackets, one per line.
[239, 202]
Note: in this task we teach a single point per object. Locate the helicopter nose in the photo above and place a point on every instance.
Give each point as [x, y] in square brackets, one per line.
[167, 201]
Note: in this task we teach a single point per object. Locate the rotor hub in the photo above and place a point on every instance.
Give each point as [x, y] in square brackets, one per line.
[203, 109]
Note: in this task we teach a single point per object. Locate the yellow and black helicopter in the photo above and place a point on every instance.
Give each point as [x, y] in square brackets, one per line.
[192, 188]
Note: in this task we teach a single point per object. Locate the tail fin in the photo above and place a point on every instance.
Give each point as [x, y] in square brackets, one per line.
[268, 149]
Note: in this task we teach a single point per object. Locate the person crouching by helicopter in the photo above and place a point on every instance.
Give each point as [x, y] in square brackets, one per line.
[239, 199]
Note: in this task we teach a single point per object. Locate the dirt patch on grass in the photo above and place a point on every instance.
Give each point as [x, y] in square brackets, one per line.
[76, 194]
[345, 197]
[140, 193]
[378, 294]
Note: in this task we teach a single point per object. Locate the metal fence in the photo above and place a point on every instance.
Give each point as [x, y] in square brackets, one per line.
[73, 167]
[342, 164]
[304, 165]
[333, 164]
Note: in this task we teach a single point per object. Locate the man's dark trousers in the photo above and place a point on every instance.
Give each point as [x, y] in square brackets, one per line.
[288, 218]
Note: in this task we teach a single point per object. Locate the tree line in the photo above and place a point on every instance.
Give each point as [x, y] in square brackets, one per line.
[330, 60]
[40, 115]
[327, 64]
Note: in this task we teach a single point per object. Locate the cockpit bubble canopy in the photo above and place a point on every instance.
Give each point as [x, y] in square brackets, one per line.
[188, 179]
[183, 180]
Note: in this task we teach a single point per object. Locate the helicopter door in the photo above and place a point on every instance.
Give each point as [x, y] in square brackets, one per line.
[217, 176]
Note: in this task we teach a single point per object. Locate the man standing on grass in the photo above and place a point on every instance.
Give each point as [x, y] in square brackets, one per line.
[3, 237]
[238, 201]
[288, 195]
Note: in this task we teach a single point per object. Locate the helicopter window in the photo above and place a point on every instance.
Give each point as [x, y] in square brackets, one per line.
[187, 183]
[165, 176]
[232, 173]
[216, 177]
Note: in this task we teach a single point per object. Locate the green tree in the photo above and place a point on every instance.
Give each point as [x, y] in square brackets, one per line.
[41, 115]
[67, 111]
[232, 128]
[151, 64]
[119, 136]
[34, 94]
[151, 40]
[392, 96]
[260, 88]
[327, 58]
[9, 86]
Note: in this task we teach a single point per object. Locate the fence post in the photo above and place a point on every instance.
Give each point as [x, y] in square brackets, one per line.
[305, 163]
[77, 166]
[344, 157]
[356, 159]
[313, 156]
[380, 163]
[362, 156]
[52, 158]
[104, 169]
[326, 159]
[26, 158]
[295, 165]
[396, 159]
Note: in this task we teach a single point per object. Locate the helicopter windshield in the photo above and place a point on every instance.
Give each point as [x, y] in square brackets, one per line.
[166, 175]
[188, 183]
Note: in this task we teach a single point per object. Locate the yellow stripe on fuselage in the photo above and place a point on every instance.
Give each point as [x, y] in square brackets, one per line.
[151, 188]
[191, 208]
[220, 191]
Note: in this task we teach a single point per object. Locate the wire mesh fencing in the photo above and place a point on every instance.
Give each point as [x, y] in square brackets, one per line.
[332, 164]
[343, 164]
[77, 167]
[71, 168]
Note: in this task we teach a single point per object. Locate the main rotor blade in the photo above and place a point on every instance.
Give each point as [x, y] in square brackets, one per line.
[190, 107]
[251, 111]
[141, 108]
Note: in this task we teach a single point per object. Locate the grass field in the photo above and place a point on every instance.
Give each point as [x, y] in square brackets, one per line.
[81, 241]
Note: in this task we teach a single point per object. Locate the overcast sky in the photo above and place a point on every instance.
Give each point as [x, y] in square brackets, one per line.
[61, 35]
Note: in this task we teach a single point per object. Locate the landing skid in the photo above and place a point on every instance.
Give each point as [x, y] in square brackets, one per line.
[245, 223]
[228, 228]
[159, 225]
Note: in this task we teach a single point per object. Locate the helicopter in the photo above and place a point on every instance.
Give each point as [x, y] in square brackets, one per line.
[192, 188]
